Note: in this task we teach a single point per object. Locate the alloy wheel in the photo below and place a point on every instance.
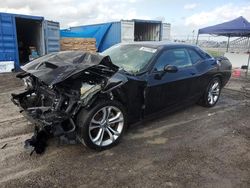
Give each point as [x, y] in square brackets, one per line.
[106, 126]
[214, 92]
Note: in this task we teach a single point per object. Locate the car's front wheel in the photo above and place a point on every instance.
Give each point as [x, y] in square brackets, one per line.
[212, 93]
[102, 126]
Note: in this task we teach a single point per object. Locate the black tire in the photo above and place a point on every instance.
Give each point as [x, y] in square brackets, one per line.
[204, 101]
[84, 118]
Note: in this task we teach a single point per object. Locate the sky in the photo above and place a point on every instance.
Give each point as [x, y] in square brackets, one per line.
[185, 16]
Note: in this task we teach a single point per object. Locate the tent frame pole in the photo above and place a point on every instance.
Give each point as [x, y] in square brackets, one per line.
[228, 40]
[248, 61]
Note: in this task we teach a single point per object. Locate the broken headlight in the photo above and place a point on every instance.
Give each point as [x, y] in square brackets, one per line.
[28, 82]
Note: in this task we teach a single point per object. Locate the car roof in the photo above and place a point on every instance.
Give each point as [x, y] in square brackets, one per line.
[159, 44]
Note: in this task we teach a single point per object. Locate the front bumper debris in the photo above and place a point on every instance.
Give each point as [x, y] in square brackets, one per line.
[47, 123]
[42, 115]
[38, 142]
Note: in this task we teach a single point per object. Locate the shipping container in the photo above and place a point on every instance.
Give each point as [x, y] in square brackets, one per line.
[21, 34]
[108, 34]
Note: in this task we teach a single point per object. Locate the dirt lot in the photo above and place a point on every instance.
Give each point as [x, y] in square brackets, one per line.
[195, 147]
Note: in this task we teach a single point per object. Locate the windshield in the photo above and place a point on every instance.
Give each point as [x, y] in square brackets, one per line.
[131, 58]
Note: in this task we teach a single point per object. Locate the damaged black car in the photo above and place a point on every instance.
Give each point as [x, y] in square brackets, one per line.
[92, 98]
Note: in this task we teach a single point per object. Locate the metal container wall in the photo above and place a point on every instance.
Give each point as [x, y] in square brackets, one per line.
[165, 31]
[8, 37]
[52, 36]
[112, 37]
[8, 43]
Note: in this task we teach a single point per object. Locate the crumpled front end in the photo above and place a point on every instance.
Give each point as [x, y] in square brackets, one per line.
[47, 105]
[52, 109]
[52, 106]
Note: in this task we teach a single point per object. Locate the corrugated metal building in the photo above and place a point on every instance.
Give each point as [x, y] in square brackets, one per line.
[19, 32]
[109, 34]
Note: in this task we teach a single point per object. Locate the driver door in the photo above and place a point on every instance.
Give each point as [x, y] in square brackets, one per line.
[165, 89]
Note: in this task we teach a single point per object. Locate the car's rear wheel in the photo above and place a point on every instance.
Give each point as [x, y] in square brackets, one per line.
[212, 93]
[102, 126]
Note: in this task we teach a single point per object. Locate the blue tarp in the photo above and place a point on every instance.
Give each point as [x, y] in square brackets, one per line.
[235, 28]
[93, 31]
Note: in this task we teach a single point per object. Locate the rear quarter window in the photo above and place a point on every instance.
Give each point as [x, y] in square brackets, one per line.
[195, 56]
[203, 53]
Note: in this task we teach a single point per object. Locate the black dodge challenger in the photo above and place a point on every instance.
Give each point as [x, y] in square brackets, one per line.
[92, 98]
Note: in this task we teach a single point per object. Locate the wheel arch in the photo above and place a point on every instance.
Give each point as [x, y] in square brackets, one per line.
[220, 77]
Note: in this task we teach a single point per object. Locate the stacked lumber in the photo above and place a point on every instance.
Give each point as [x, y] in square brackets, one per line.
[78, 44]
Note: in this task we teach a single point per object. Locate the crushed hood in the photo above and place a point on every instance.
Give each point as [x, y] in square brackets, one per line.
[57, 67]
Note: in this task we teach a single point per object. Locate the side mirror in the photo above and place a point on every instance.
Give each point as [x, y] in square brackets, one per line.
[167, 69]
[170, 68]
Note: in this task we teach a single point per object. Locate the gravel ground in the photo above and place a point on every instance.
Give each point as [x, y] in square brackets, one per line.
[195, 147]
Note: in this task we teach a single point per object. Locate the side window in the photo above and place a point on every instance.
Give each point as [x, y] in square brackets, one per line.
[203, 53]
[195, 57]
[178, 57]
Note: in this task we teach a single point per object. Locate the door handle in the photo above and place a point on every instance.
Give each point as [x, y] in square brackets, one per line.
[193, 73]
